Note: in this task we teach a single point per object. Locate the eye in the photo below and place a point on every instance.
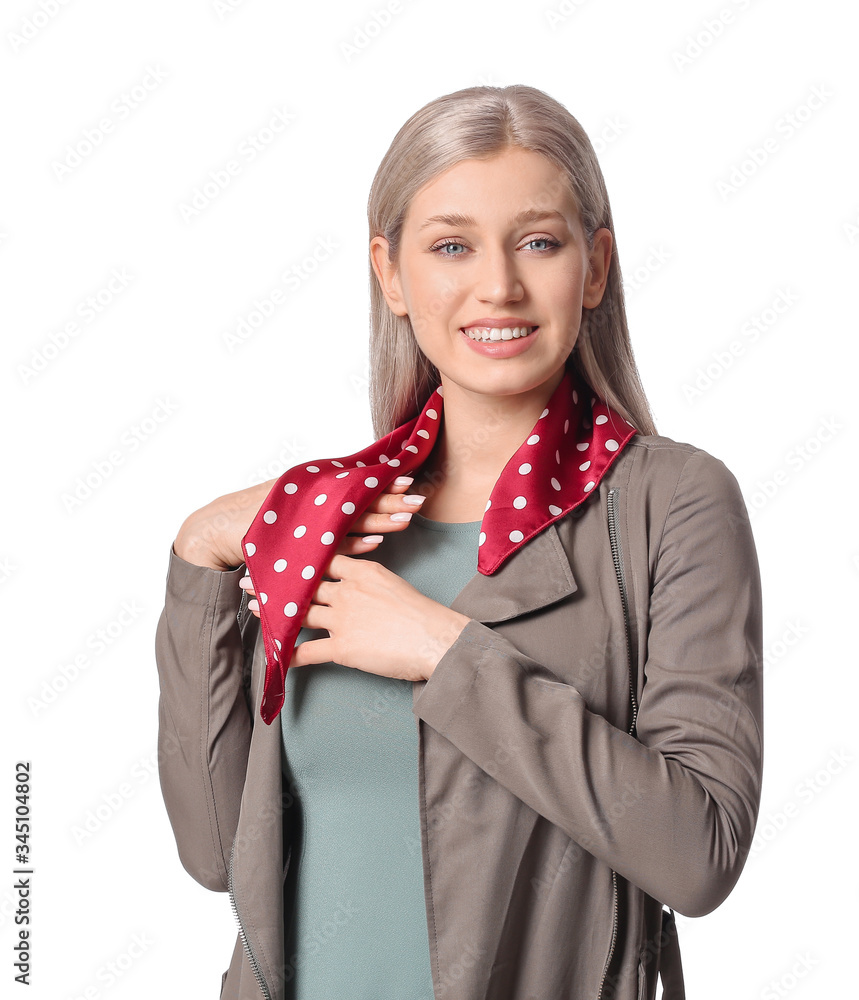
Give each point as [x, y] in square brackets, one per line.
[544, 239]
[440, 248]
[447, 243]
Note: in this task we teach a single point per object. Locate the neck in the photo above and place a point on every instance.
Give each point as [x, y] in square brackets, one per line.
[480, 433]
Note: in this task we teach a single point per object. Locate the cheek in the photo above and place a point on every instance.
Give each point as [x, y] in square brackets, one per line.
[433, 298]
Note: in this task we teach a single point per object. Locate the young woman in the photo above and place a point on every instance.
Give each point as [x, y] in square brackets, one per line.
[481, 739]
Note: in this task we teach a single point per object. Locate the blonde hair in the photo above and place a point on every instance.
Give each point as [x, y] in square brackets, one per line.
[479, 122]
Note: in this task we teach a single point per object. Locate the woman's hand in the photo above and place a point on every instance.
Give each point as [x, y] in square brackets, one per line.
[212, 535]
[377, 622]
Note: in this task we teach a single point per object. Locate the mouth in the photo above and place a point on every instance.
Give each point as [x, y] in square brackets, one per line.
[485, 334]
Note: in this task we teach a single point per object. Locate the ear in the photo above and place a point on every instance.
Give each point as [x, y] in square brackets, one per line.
[599, 263]
[388, 275]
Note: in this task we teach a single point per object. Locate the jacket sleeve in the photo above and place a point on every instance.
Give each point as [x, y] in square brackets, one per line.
[204, 718]
[674, 810]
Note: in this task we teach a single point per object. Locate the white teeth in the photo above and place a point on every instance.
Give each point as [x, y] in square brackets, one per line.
[486, 333]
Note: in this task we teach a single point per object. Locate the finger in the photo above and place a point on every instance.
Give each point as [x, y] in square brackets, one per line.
[388, 512]
[351, 545]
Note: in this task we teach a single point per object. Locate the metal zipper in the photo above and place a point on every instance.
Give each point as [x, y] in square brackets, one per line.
[242, 605]
[248, 951]
[618, 570]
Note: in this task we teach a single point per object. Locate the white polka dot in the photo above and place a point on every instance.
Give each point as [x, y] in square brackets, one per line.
[583, 445]
[320, 499]
[557, 457]
[481, 538]
[274, 654]
[543, 414]
[361, 465]
[290, 488]
[280, 566]
[312, 468]
[515, 536]
[533, 439]
[412, 448]
[341, 475]
[575, 396]
[423, 434]
[524, 469]
[585, 465]
[589, 486]
[300, 531]
[263, 598]
[290, 609]
[371, 481]
[554, 510]
[308, 572]
[519, 502]
[394, 461]
[566, 426]
[383, 459]
[269, 517]
[602, 419]
[327, 538]
[555, 484]
[250, 548]
[440, 390]
[277, 643]
[612, 445]
[593, 400]
[338, 464]
[432, 414]
[488, 505]
[348, 507]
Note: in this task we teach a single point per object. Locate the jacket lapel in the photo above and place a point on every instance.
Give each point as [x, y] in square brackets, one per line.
[535, 575]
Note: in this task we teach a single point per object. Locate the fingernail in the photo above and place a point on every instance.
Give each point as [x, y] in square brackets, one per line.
[245, 583]
[401, 517]
[253, 605]
[372, 538]
[404, 480]
[414, 498]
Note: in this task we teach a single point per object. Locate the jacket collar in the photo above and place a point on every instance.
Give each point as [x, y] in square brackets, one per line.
[543, 562]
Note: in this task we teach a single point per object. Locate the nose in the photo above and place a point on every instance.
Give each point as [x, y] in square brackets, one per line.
[497, 278]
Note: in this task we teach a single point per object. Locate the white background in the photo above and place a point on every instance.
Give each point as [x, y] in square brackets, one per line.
[701, 261]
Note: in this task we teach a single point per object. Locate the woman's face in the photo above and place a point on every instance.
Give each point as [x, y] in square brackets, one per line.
[495, 242]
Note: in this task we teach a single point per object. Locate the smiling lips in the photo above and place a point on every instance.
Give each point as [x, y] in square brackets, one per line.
[484, 331]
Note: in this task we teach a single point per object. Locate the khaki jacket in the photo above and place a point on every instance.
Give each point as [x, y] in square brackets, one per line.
[590, 746]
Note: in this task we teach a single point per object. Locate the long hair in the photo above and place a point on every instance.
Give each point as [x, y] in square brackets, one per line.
[479, 122]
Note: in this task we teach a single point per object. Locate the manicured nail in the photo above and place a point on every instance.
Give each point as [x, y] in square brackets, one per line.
[414, 498]
[372, 538]
[403, 516]
[404, 480]
[245, 583]
[253, 605]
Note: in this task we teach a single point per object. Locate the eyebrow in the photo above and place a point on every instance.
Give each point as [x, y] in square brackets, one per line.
[459, 221]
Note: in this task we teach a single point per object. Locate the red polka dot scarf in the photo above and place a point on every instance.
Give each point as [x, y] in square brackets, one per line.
[312, 506]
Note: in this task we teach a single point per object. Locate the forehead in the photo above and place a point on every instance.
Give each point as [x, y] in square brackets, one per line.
[518, 184]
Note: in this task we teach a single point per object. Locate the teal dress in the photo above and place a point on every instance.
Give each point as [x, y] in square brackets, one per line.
[355, 920]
